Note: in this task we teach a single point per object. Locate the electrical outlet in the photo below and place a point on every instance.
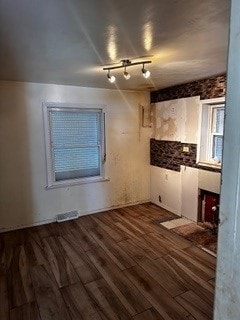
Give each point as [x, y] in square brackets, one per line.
[185, 149]
[159, 198]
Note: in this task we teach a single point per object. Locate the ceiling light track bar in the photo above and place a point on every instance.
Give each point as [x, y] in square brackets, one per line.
[127, 63]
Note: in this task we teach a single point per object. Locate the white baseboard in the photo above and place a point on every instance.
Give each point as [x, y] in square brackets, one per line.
[38, 223]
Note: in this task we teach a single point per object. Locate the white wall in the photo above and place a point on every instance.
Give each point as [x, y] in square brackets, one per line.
[23, 196]
[166, 184]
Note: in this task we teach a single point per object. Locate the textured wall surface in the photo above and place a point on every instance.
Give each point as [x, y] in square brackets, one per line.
[213, 87]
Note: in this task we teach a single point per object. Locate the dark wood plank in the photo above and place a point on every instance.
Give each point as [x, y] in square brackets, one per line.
[130, 297]
[191, 280]
[135, 222]
[159, 270]
[150, 314]
[193, 264]
[79, 303]
[61, 267]
[35, 252]
[107, 301]
[2, 256]
[156, 245]
[115, 252]
[134, 226]
[20, 288]
[19, 280]
[166, 306]
[128, 230]
[202, 256]
[48, 297]
[212, 282]
[116, 235]
[43, 231]
[4, 303]
[83, 266]
[200, 309]
[142, 248]
[153, 252]
[87, 222]
[27, 311]
[166, 240]
[175, 239]
[83, 238]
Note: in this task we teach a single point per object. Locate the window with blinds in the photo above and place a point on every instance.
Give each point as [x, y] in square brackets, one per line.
[76, 143]
[217, 133]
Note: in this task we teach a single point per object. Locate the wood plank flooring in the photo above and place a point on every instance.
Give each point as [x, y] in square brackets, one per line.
[114, 265]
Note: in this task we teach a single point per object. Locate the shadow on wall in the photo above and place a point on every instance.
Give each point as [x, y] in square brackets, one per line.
[15, 169]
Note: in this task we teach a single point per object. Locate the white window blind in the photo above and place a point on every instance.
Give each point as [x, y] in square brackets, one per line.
[217, 132]
[75, 143]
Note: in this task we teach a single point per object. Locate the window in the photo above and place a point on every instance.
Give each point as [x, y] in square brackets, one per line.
[75, 145]
[216, 139]
[212, 126]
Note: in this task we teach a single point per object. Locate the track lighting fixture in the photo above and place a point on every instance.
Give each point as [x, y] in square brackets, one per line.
[145, 73]
[127, 63]
[110, 78]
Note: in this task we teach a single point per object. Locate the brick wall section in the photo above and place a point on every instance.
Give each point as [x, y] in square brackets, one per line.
[209, 88]
[170, 155]
[165, 154]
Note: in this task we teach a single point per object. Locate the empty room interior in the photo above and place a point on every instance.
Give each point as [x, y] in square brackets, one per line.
[118, 184]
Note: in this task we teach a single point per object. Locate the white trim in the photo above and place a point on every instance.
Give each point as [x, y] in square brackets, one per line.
[199, 133]
[38, 223]
[74, 182]
[213, 101]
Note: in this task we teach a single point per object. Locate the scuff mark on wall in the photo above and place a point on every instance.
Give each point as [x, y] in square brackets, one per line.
[167, 116]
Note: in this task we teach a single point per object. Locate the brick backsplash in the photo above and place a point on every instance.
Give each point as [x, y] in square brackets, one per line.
[170, 155]
[213, 87]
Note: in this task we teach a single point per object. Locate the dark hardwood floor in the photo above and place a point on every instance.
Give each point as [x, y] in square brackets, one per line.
[117, 264]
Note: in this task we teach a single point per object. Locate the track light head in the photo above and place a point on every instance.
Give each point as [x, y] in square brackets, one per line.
[145, 73]
[110, 78]
[126, 74]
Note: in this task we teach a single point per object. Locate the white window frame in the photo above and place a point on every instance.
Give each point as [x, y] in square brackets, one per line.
[52, 106]
[205, 143]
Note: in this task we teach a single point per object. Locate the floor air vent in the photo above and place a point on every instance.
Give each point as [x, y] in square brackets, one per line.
[67, 216]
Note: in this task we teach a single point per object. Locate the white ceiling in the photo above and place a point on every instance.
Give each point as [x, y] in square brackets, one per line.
[69, 41]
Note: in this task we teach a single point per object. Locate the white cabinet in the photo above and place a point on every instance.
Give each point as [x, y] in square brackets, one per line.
[189, 199]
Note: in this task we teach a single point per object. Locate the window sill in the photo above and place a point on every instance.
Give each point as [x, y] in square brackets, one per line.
[209, 165]
[75, 182]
